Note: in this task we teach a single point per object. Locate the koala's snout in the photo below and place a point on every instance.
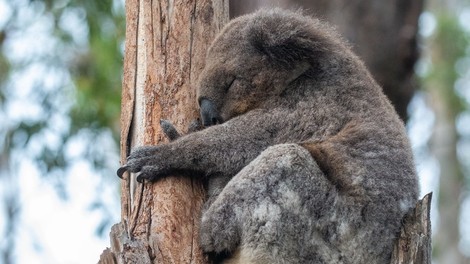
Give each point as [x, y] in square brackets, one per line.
[209, 114]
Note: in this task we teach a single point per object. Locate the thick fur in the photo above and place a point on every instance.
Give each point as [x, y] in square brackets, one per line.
[307, 162]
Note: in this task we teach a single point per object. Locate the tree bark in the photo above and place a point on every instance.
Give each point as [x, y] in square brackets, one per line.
[414, 242]
[165, 50]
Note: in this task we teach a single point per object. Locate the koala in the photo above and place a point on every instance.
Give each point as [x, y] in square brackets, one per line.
[304, 157]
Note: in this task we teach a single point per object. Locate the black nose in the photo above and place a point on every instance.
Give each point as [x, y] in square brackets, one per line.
[209, 114]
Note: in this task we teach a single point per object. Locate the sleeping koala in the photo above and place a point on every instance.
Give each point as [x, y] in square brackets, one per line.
[305, 159]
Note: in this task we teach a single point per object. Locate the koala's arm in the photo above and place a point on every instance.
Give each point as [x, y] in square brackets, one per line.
[222, 149]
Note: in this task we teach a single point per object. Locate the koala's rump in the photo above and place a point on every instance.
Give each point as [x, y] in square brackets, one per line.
[282, 209]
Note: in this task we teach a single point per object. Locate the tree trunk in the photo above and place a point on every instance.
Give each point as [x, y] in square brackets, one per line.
[414, 243]
[165, 50]
[443, 146]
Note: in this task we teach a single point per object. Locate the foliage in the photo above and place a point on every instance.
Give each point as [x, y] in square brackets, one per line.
[87, 68]
[449, 44]
[60, 83]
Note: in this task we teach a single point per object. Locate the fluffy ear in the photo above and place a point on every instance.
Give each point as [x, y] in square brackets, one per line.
[286, 40]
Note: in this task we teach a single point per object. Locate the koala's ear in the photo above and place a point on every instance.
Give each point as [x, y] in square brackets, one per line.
[285, 42]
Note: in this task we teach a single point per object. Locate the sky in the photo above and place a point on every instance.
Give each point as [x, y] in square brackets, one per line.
[56, 231]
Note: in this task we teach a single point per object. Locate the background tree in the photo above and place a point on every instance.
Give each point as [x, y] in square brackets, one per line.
[446, 84]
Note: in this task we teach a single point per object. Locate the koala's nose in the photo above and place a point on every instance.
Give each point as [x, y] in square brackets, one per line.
[209, 114]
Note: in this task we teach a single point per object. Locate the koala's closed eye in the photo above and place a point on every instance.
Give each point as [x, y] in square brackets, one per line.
[230, 84]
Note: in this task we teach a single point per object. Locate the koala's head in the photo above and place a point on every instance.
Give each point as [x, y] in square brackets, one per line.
[255, 58]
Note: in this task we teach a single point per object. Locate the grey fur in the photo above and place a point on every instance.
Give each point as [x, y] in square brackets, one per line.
[311, 163]
[169, 130]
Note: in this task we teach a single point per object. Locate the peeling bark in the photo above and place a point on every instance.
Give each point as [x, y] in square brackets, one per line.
[414, 242]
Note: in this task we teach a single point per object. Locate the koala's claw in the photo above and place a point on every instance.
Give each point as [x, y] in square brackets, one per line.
[146, 176]
[125, 168]
[140, 178]
[133, 165]
[121, 171]
[150, 173]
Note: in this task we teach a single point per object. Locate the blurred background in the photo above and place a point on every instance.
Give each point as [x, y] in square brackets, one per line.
[60, 89]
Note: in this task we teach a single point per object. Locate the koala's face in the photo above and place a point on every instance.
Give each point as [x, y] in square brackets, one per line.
[252, 60]
[234, 79]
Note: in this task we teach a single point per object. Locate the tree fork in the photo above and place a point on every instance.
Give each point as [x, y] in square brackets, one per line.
[165, 48]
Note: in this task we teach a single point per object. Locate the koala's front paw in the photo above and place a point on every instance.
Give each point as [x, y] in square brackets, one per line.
[172, 133]
[145, 161]
[169, 130]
